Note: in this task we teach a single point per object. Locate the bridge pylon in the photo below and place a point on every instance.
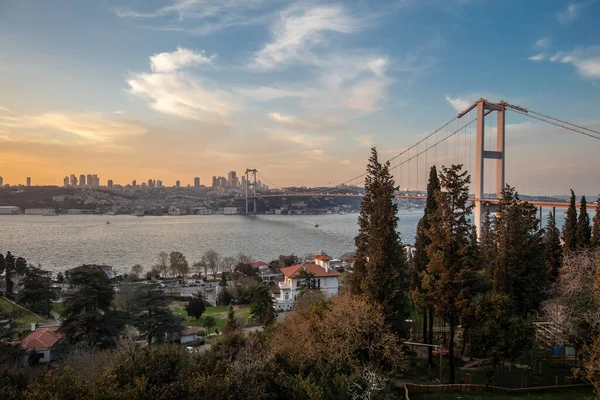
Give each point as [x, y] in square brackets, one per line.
[251, 182]
[484, 108]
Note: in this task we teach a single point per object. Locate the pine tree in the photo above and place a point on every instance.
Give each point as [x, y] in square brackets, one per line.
[449, 277]
[223, 281]
[231, 324]
[380, 264]
[595, 241]
[584, 232]
[420, 260]
[195, 307]
[487, 243]
[37, 293]
[570, 227]
[153, 315]
[519, 270]
[553, 253]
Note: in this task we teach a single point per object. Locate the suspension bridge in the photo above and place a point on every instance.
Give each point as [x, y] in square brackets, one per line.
[473, 138]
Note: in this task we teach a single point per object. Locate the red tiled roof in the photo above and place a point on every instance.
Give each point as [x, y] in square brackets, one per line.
[42, 338]
[192, 330]
[318, 271]
[323, 257]
[258, 264]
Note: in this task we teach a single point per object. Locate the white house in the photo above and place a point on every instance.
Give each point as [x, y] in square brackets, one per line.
[42, 341]
[326, 281]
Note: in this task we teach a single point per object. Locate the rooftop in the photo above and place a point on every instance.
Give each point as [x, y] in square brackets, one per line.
[318, 271]
[258, 264]
[42, 338]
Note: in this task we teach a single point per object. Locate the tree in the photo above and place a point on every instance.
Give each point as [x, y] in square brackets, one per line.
[137, 270]
[262, 301]
[487, 243]
[195, 307]
[595, 241]
[288, 261]
[13, 267]
[178, 264]
[227, 264]
[224, 297]
[584, 231]
[153, 316]
[519, 268]
[306, 281]
[223, 281]
[231, 324]
[211, 260]
[449, 277]
[210, 322]
[553, 254]
[570, 226]
[380, 265]
[419, 262]
[245, 269]
[87, 316]
[163, 263]
[60, 277]
[37, 293]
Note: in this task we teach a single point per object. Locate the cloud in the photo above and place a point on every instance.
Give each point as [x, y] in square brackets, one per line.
[298, 29]
[458, 103]
[570, 14]
[167, 62]
[302, 139]
[538, 57]
[321, 123]
[345, 162]
[52, 127]
[543, 43]
[586, 60]
[174, 92]
[365, 141]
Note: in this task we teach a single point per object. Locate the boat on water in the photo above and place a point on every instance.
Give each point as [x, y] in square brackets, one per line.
[316, 225]
[107, 222]
[111, 213]
[138, 214]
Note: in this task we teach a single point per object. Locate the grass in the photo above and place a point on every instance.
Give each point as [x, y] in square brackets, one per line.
[219, 313]
[564, 394]
[24, 316]
[58, 307]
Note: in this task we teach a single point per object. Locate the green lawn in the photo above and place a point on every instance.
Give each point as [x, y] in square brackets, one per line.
[579, 393]
[219, 313]
[58, 307]
[24, 316]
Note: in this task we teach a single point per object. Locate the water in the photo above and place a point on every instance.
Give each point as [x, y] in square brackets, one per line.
[66, 241]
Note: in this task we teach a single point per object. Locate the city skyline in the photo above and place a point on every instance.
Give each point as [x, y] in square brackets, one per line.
[166, 88]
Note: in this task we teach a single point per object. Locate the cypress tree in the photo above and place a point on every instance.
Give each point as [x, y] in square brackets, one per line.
[584, 232]
[595, 241]
[419, 263]
[231, 323]
[553, 254]
[380, 263]
[519, 270]
[570, 227]
[449, 277]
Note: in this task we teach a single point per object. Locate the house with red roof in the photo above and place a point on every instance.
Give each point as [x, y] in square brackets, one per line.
[42, 340]
[325, 279]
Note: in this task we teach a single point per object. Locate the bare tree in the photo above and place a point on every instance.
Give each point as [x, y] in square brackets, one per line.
[211, 258]
[227, 264]
[199, 266]
[163, 263]
[243, 259]
[572, 308]
[137, 270]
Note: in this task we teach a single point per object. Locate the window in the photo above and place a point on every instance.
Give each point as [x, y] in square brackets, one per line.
[287, 296]
[319, 284]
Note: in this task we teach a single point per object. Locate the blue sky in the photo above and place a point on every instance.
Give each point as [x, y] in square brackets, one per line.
[173, 89]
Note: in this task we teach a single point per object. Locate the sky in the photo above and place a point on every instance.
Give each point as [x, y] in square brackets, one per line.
[300, 90]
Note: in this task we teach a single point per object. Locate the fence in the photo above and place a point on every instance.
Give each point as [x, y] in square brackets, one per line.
[458, 388]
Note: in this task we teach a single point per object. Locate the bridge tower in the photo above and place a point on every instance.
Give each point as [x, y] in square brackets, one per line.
[251, 182]
[484, 108]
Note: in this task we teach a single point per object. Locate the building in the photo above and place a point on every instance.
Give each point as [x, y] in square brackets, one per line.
[177, 184]
[42, 341]
[196, 182]
[1, 181]
[73, 180]
[325, 280]
[232, 179]
[28, 181]
[66, 181]
[9, 210]
[40, 211]
[109, 183]
[82, 180]
[133, 183]
[230, 210]
[190, 334]
[159, 183]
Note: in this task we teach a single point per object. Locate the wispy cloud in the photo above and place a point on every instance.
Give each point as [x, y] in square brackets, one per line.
[543, 43]
[174, 92]
[302, 139]
[570, 14]
[298, 29]
[458, 103]
[586, 60]
[538, 57]
[365, 141]
[167, 62]
[316, 124]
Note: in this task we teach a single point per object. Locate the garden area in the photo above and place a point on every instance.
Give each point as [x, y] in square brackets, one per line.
[218, 313]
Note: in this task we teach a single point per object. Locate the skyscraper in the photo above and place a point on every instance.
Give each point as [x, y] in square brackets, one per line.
[109, 183]
[89, 180]
[215, 182]
[232, 179]
[177, 184]
[28, 181]
[159, 183]
[73, 180]
[134, 183]
[196, 182]
[1, 181]
[150, 183]
[66, 181]
[95, 181]
[82, 180]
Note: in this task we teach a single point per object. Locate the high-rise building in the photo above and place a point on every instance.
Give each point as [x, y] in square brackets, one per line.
[196, 182]
[222, 181]
[28, 181]
[109, 183]
[159, 183]
[215, 182]
[134, 183]
[89, 180]
[150, 183]
[232, 179]
[73, 180]
[82, 180]
[95, 181]
[144, 185]
[1, 181]
[177, 184]
[66, 181]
